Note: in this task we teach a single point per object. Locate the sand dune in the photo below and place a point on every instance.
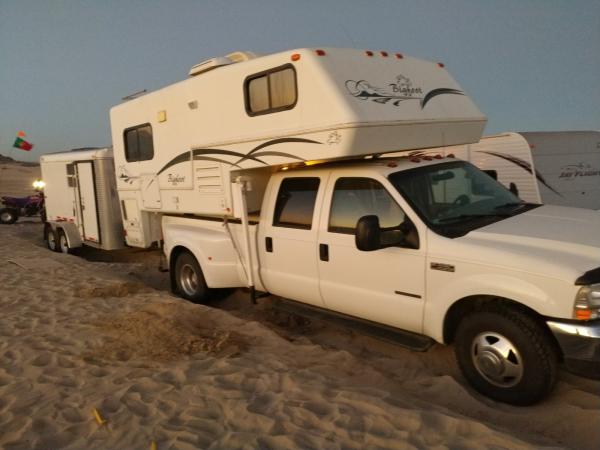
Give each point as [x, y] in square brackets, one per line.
[78, 333]
[16, 179]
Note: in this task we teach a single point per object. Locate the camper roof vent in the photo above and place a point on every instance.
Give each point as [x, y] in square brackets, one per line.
[209, 64]
[242, 56]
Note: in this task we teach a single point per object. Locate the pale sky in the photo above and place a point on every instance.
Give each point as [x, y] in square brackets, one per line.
[529, 65]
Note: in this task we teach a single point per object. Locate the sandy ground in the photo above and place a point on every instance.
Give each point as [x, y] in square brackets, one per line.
[16, 180]
[100, 330]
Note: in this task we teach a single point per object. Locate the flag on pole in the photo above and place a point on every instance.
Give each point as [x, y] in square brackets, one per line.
[21, 143]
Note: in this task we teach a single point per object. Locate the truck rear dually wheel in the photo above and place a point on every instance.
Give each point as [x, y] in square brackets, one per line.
[189, 278]
[506, 355]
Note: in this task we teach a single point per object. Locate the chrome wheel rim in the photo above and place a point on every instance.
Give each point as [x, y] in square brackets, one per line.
[6, 216]
[188, 279]
[497, 359]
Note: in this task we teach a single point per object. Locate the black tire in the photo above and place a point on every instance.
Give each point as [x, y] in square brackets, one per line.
[51, 239]
[506, 355]
[189, 278]
[8, 216]
[62, 243]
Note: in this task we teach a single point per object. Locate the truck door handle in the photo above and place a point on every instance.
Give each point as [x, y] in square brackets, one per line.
[324, 252]
[269, 244]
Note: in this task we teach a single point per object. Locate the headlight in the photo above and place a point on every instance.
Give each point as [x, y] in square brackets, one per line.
[587, 303]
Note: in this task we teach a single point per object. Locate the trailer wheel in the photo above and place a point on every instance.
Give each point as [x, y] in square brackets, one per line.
[63, 243]
[8, 216]
[506, 355]
[50, 238]
[189, 278]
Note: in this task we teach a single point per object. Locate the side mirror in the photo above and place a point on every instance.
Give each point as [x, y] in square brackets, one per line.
[368, 234]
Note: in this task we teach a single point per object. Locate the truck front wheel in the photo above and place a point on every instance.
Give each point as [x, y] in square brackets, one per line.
[189, 278]
[506, 355]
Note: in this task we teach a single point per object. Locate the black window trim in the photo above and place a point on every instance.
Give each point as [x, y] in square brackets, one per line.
[266, 73]
[135, 127]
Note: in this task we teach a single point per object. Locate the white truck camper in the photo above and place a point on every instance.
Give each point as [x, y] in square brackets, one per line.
[267, 173]
[553, 167]
[82, 206]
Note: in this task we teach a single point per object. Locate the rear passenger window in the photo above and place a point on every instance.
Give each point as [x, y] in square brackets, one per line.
[296, 203]
[138, 143]
[271, 91]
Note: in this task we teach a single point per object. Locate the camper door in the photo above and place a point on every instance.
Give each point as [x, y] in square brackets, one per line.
[88, 208]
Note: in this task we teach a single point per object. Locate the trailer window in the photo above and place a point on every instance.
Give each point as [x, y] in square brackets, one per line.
[138, 143]
[271, 91]
[296, 203]
[354, 198]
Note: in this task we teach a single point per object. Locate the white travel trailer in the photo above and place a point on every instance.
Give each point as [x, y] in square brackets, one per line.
[557, 168]
[267, 172]
[82, 206]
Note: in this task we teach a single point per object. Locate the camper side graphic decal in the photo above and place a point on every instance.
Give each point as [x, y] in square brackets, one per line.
[208, 154]
[582, 169]
[401, 90]
[524, 165]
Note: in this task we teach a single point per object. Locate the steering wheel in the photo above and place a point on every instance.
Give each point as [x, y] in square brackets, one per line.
[461, 200]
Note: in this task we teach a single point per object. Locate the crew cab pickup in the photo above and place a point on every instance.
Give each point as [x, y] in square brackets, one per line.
[428, 245]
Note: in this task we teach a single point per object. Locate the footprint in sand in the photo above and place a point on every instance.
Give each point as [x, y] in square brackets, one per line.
[73, 415]
[136, 406]
[42, 360]
[111, 404]
[98, 372]
[65, 363]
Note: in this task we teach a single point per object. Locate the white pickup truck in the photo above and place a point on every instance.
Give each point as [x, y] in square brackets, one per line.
[429, 245]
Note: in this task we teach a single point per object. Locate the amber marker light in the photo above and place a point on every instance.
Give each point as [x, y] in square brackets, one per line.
[320, 52]
[295, 57]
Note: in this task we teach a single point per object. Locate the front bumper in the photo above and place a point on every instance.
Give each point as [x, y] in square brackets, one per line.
[580, 344]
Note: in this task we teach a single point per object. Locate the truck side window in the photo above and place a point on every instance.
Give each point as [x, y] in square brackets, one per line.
[296, 203]
[271, 91]
[138, 143]
[357, 197]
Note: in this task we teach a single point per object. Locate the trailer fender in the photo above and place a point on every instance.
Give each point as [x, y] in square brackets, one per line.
[71, 232]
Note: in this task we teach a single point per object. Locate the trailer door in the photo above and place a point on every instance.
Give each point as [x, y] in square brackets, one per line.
[87, 201]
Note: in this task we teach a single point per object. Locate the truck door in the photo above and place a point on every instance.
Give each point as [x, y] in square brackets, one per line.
[87, 201]
[385, 286]
[287, 239]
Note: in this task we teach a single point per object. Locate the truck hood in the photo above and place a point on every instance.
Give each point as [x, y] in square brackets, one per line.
[554, 241]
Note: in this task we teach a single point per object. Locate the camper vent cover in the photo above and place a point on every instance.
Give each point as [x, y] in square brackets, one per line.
[209, 64]
[213, 63]
[242, 56]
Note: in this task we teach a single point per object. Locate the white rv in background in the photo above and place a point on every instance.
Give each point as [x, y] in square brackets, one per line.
[268, 173]
[553, 167]
[82, 206]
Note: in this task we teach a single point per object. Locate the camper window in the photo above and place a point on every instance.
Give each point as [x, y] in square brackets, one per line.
[296, 203]
[271, 91]
[138, 143]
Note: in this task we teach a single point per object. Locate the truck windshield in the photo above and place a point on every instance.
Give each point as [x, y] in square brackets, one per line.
[453, 198]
